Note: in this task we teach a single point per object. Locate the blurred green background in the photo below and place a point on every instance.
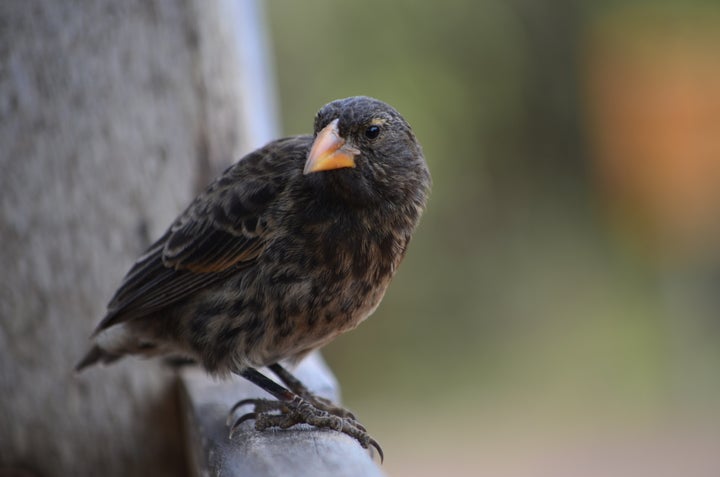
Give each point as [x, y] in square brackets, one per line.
[557, 313]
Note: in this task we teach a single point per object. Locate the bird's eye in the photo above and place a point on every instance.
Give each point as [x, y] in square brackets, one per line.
[372, 132]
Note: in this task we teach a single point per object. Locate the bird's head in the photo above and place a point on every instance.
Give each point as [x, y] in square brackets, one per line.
[364, 150]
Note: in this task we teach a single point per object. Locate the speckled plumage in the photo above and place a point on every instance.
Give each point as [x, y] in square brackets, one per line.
[269, 263]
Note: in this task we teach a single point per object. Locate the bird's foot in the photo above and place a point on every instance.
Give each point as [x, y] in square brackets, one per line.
[296, 386]
[328, 406]
[285, 414]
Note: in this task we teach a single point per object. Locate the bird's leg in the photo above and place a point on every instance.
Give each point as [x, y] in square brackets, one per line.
[296, 386]
[290, 409]
[282, 395]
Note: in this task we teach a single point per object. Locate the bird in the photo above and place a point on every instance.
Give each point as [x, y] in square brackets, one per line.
[291, 246]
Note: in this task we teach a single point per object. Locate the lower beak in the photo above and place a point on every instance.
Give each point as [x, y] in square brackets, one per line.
[330, 151]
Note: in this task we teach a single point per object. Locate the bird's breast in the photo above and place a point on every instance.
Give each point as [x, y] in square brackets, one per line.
[323, 284]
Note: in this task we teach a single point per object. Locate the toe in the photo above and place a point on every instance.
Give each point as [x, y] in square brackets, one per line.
[245, 417]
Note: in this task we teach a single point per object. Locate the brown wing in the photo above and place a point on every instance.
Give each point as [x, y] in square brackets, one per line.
[223, 231]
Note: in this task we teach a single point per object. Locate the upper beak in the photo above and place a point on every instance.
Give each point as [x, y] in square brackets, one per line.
[330, 151]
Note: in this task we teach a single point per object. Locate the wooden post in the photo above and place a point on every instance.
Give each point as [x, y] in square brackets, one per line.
[112, 116]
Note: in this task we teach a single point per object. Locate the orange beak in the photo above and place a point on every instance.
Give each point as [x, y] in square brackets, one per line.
[330, 151]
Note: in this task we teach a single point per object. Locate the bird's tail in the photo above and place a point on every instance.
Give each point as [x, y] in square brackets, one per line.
[96, 355]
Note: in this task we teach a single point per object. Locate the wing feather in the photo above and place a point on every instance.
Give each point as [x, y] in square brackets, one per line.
[223, 231]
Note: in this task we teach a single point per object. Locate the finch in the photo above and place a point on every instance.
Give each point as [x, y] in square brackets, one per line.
[291, 246]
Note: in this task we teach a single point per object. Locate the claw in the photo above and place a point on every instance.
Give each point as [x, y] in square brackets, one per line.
[261, 406]
[240, 404]
[379, 450]
[236, 425]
